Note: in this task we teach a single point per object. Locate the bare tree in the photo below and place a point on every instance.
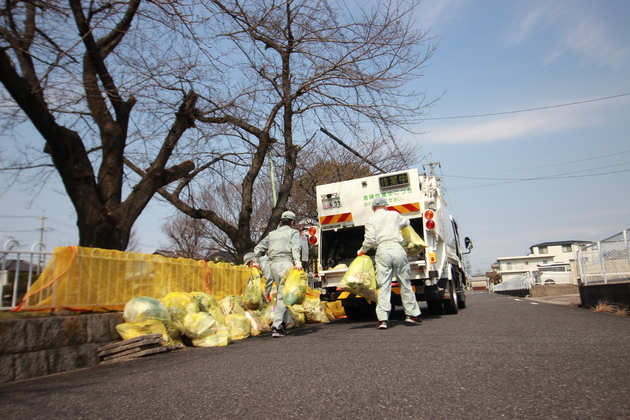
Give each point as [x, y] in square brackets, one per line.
[202, 93]
[318, 164]
[77, 71]
[287, 66]
[189, 237]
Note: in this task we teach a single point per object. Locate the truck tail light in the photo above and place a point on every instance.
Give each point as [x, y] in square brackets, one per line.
[428, 216]
[312, 238]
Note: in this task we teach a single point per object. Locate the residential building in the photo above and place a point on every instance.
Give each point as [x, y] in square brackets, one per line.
[478, 282]
[542, 253]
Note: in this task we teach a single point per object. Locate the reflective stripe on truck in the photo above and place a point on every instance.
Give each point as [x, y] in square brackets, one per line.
[335, 218]
[405, 208]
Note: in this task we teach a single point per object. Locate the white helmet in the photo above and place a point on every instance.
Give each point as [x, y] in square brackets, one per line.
[248, 257]
[288, 215]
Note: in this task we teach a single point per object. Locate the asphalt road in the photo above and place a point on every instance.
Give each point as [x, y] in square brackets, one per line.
[500, 358]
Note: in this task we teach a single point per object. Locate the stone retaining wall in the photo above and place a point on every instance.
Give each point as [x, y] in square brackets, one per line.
[32, 347]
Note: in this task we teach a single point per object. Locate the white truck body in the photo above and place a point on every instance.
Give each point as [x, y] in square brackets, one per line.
[343, 209]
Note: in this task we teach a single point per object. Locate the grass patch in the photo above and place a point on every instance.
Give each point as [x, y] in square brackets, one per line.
[611, 308]
[622, 311]
[603, 306]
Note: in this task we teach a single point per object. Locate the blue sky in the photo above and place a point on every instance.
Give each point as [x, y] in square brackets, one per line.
[522, 178]
[512, 180]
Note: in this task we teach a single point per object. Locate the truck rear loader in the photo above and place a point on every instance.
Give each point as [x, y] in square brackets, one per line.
[438, 274]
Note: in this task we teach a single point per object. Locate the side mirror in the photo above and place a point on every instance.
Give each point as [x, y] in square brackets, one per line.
[468, 244]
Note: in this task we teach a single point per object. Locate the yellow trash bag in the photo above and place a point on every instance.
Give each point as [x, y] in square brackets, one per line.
[252, 298]
[291, 320]
[360, 279]
[412, 242]
[269, 312]
[232, 305]
[199, 325]
[141, 309]
[207, 301]
[129, 330]
[145, 308]
[334, 310]
[220, 338]
[294, 290]
[297, 312]
[314, 309]
[239, 326]
[258, 323]
[179, 304]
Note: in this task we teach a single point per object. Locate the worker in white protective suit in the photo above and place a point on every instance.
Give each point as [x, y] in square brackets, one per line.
[264, 265]
[382, 231]
[284, 248]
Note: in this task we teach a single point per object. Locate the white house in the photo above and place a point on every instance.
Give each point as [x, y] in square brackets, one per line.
[543, 253]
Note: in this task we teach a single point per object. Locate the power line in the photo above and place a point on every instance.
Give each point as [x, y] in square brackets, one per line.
[553, 164]
[557, 176]
[529, 109]
[551, 177]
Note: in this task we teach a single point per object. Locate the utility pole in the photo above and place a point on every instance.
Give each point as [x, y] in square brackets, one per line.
[42, 229]
[42, 247]
[432, 165]
[273, 179]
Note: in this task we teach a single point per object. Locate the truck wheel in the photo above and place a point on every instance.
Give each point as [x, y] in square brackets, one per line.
[451, 305]
[435, 307]
[461, 301]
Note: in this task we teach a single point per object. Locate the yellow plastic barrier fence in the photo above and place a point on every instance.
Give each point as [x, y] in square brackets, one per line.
[93, 279]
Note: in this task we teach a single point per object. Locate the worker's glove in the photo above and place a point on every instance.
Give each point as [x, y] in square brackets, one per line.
[297, 265]
[359, 253]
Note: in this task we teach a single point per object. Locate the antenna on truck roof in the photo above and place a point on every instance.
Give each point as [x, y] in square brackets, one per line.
[338, 140]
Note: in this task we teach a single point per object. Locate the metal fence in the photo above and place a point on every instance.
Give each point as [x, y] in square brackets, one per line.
[521, 282]
[19, 269]
[606, 261]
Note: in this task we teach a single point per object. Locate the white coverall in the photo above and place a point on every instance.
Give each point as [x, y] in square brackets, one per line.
[284, 248]
[265, 267]
[382, 231]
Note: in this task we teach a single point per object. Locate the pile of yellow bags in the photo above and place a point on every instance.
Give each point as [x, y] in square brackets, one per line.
[208, 323]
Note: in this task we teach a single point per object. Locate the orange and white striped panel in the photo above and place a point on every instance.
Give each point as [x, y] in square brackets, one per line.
[335, 218]
[405, 208]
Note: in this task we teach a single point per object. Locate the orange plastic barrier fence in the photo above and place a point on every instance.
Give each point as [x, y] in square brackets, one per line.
[88, 279]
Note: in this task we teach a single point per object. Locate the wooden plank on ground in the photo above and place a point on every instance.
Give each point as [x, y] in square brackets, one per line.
[146, 352]
[129, 341]
[139, 343]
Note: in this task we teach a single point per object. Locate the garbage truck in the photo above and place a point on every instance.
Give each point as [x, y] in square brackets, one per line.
[438, 273]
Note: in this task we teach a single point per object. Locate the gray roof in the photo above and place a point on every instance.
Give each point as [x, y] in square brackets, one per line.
[567, 242]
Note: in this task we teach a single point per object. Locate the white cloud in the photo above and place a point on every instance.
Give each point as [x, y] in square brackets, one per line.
[432, 13]
[503, 128]
[570, 26]
[524, 124]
